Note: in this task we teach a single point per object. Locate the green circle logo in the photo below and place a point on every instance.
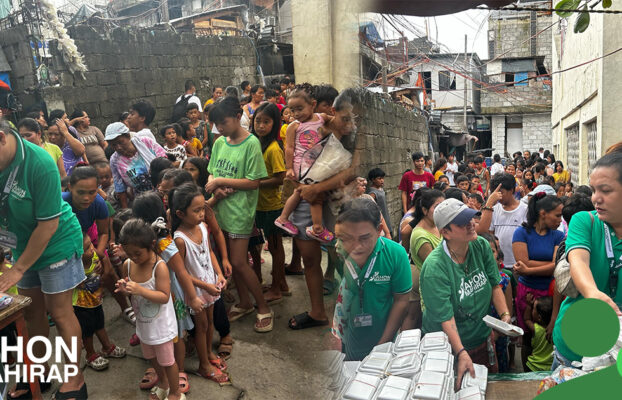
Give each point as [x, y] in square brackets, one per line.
[590, 327]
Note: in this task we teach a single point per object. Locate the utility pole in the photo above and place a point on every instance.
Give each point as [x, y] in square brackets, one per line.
[384, 76]
[465, 128]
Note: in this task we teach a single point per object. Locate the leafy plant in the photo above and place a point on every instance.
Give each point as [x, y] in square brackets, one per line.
[583, 20]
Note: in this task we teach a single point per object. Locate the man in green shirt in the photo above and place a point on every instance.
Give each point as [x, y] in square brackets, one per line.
[459, 279]
[46, 240]
[374, 293]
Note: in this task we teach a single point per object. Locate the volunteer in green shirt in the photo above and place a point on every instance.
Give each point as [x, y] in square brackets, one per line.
[47, 244]
[589, 237]
[374, 292]
[459, 280]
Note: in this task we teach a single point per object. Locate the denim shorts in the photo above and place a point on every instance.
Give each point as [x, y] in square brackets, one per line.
[55, 278]
[559, 360]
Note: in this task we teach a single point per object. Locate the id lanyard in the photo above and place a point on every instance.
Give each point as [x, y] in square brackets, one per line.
[356, 277]
[5, 196]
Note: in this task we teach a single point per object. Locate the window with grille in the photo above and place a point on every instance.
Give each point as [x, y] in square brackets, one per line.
[572, 152]
[592, 145]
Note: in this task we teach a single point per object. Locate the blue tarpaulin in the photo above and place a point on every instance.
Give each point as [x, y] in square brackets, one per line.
[371, 33]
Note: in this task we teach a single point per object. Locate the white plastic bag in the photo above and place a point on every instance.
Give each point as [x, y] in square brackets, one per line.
[324, 160]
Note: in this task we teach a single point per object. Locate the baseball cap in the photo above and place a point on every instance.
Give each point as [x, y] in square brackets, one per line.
[452, 211]
[115, 130]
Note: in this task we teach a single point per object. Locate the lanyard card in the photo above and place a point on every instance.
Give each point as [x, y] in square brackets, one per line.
[8, 239]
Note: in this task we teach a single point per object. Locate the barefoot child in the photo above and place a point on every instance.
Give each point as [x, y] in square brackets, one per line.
[187, 210]
[146, 279]
[266, 124]
[302, 134]
[87, 305]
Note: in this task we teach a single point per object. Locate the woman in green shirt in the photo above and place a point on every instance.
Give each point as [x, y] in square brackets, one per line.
[459, 280]
[423, 239]
[590, 234]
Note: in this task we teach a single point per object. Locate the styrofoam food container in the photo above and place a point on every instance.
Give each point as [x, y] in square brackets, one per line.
[470, 393]
[406, 365]
[430, 386]
[503, 327]
[375, 363]
[383, 348]
[394, 388]
[480, 381]
[362, 387]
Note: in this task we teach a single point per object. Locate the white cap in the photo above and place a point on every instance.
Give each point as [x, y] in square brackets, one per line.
[452, 211]
[115, 130]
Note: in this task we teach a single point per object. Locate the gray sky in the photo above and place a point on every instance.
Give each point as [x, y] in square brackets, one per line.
[448, 30]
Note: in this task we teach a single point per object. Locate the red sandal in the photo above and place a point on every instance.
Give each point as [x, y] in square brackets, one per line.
[219, 363]
[218, 376]
[184, 383]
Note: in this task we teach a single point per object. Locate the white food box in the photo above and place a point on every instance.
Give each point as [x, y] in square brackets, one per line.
[362, 387]
[438, 361]
[405, 365]
[435, 341]
[470, 393]
[480, 381]
[503, 327]
[394, 388]
[375, 363]
[430, 386]
[383, 348]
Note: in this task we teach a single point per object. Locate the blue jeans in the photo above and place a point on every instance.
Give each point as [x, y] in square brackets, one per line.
[558, 360]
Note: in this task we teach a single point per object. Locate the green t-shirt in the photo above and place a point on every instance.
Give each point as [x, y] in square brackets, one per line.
[236, 213]
[448, 291]
[418, 238]
[541, 357]
[583, 234]
[390, 275]
[36, 196]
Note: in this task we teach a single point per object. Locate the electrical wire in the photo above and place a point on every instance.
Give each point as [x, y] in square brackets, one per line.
[548, 10]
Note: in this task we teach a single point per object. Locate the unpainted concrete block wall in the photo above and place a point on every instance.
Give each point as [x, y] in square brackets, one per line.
[151, 64]
[16, 47]
[387, 136]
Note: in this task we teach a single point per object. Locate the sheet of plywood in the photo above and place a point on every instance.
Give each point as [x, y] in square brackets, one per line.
[515, 390]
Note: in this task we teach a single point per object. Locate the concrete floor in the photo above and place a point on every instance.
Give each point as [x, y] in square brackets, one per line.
[282, 364]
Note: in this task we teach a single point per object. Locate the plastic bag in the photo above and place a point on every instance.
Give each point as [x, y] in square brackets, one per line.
[560, 375]
[324, 160]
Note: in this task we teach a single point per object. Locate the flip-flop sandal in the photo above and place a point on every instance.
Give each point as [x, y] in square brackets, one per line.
[43, 387]
[304, 321]
[274, 301]
[134, 340]
[290, 272]
[184, 384]
[261, 317]
[219, 363]
[149, 379]
[80, 394]
[218, 376]
[157, 393]
[329, 286]
[224, 350]
[239, 313]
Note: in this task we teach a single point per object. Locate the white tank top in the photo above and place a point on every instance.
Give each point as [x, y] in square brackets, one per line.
[155, 323]
[198, 261]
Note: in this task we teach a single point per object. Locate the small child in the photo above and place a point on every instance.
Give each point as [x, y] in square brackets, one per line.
[286, 118]
[105, 184]
[476, 201]
[476, 185]
[376, 191]
[190, 151]
[189, 134]
[171, 146]
[462, 182]
[302, 135]
[146, 279]
[87, 305]
[537, 316]
[187, 210]
[194, 115]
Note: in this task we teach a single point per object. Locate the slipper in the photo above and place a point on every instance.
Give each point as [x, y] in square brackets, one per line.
[239, 313]
[290, 272]
[158, 393]
[287, 293]
[219, 363]
[274, 301]
[224, 350]
[80, 394]
[129, 316]
[219, 377]
[304, 321]
[43, 387]
[182, 397]
[134, 340]
[184, 384]
[261, 317]
[287, 227]
[149, 380]
[329, 286]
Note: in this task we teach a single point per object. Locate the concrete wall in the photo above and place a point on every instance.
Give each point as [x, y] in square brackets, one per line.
[387, 136]
[536, 131]
[516, 100]
[326, 43]
[589, 94]
[131, 64]
[15, 45]
[497, 127]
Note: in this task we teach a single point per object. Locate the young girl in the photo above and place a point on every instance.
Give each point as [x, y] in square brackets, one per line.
[189, 134]
[149, 208]
[286, 116]
[146, 279]
[266, 126]
[171, 146]
[302, 134]
[187, 210]
[237, 164]
[190, 152]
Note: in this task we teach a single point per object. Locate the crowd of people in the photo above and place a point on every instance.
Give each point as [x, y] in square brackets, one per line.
[167, 226]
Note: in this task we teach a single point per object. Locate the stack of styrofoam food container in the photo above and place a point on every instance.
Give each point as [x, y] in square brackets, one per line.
[480, 381]
[470, 393]
[394, 388]
[407, 341]
[406, 365]
[435, 341]
[332, 362]
[362, 387]
[618, 346]
[433, 386]
[375, 364]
